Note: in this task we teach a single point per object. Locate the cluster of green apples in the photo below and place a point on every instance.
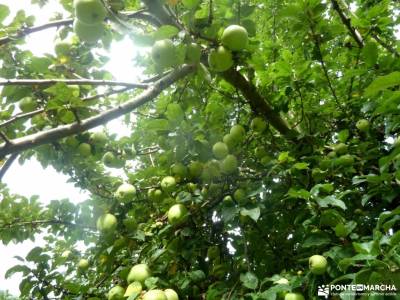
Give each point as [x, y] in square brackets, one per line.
[165, 54]
[89, 16]
[234, 38]
[136, 279]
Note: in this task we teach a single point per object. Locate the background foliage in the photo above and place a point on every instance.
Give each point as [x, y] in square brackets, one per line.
[326, 188]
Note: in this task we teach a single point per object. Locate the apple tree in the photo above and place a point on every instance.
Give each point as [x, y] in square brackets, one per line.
[263, 158]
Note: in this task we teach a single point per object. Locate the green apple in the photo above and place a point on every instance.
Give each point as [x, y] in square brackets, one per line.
[211, 170]
[294, 296]
[66, 254]
[85, 149]
[229, 165]
[265, 160]
[27, 104]
[155, 295]
[179, 170]
[317, 264]
[220, 150]
[230, 141]
[340, 230]
[90, 11]
[168, 184]
[195, 169]
[125, 192]
[171, 294]
[83, 264]
[98, 138]
[228, 201]
[62, 48]
[87, 32]
[164, 53]
[239, 195]
[177, 214]
[346, 160]
[116, 293]
[220, 59]
[238, 132]
[139, 273]
[193, 53]
[235, 37]
[111, 161]
[134, 288]
[154, 194]
[107, 223]
[258, 124]
[340, 148]
[71, 141]
[362, 125]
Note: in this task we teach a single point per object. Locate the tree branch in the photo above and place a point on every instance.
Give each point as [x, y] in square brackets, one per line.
[385, 45]
[94, 82]
[35, 223]
[347, 22]
[258, 103]
[33, 140]
[7, 165]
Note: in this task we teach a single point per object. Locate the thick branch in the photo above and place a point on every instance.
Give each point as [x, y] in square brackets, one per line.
[94, 82]
[347, 22]
[33, 140]
[258, 103]
[7, 165]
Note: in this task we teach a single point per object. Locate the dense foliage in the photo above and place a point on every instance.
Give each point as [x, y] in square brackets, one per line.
[267, 155]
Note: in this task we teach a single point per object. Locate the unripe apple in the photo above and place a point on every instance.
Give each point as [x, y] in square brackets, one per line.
[87, 32]
[346, 160]
[83, 264]
[258, 124]
[164, 53]
[98, 138]
[229, 165]
[107, 223]
[340, 148]
[155, 295]
[90, 11]
[27, 104]
[318, 264]
[139, 273]
[230, 141]
[211, 170]
[62, 48]
[239, 195]
[362, 125]
[193, 53]
[220, 59]
[66, 254]
[220, 150]
[154, 194]
[195, 169]
[294, 296]
[116, 293]
[85, 149]
[228, 201]
[177, 214]
[171, 294]
[168, 183]
[134, 288]
[238, 132]
[125, 192]
[179, 169]
[111, 161]
[72, 142]
[235, 37]
[340, 230]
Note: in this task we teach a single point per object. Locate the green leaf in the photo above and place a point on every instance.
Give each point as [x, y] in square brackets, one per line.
[166, 32]
[249, 280]
[382, 83]
[301, 166]
[4, 12]
[190, 4]
[253, 213]
[331, 201]
[316, 240]
[16, 269]
[34, 254]
[370, 53]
